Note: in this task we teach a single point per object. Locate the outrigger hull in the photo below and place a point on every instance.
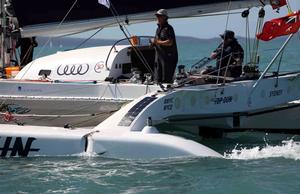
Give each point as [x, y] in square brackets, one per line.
[46, 141]
[282, 119]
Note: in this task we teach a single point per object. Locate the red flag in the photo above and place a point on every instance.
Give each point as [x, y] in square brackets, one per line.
[289, 24]
[277, 3]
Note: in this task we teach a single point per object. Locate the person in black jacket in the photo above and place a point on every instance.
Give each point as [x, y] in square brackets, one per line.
[229, 56]
[166, 49]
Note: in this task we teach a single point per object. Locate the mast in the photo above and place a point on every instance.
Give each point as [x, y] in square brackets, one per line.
[3, 32]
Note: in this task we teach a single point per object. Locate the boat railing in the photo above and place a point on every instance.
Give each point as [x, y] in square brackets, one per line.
[272, 61]
[113, 47]
[199, 65]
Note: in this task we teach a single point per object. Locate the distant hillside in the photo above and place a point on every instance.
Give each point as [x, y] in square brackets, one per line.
[74, 42]
[67, 41]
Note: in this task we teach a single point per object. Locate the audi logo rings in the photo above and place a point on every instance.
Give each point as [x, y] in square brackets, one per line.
[80, 69]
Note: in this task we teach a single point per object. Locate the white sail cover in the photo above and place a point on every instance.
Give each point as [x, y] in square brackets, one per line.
[43, 18]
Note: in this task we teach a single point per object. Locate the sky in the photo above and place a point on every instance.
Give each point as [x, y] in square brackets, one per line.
[200, 27]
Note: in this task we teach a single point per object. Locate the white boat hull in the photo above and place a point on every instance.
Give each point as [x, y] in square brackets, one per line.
[234, 106]
[46, 141]
[125, 134]
[283, 117]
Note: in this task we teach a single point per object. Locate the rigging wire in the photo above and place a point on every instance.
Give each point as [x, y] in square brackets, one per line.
[245, 14]
[228, 64]
[50, 38]
[127, 35]
[83, 42]
[93, 117]
[289, 7]
[58, 26]
[117, 17]
[226, 27]
[248, 39]
[26, 54]
[263, 3]
[260, 21]
[278, 68]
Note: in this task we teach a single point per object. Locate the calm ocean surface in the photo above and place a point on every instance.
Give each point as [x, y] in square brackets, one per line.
[254, 162]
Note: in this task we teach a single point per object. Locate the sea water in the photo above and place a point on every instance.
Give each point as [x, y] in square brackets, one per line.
[253, 163]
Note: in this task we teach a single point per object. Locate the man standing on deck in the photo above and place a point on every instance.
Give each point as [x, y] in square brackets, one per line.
[166, 49]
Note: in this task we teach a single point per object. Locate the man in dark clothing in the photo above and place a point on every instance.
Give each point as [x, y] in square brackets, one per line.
[229, 53]
[166, 49]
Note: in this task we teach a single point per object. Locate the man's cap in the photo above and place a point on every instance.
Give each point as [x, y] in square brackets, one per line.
[228, 34]
[162, 12]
